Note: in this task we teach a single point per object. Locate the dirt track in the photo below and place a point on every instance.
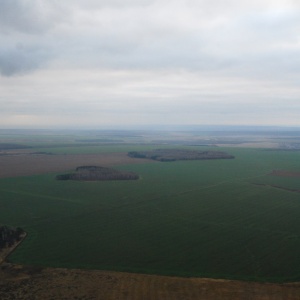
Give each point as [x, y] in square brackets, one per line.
[33, 164]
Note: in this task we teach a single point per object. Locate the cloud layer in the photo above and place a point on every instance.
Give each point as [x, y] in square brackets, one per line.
[97, 63]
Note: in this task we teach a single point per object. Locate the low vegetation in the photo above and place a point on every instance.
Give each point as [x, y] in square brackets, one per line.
[94, 173]
[179, 154]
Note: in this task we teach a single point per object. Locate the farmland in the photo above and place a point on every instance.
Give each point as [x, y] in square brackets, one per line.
[216, 218]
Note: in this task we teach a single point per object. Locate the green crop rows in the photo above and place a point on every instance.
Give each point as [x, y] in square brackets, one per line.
[217, 218]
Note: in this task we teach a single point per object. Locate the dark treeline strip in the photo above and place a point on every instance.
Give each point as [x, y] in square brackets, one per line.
[93, 173]
[179, 154]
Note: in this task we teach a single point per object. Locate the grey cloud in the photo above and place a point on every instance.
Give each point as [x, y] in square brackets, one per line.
[20, 59]
[166, 41]
[98, 4]
[194, 35]
[166, 58]
[29, 16]
[26, 40]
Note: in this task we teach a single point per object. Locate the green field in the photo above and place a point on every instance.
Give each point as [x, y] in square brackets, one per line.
[186, 218]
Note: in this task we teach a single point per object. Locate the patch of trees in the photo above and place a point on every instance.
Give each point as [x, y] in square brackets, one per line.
[41, 153]
[179, 154]
[99, 141]
[94, 173]
[10, 235]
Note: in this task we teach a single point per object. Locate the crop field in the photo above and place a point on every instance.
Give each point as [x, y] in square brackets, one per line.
[211, 218]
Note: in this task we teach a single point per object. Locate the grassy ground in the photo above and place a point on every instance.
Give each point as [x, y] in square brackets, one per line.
[192, 218]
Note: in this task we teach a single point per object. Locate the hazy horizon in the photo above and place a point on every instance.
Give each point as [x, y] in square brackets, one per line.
[134, 64]
[162, 128]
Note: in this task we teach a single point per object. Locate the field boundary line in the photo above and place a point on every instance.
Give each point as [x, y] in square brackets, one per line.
[220, 183]
[39, 195]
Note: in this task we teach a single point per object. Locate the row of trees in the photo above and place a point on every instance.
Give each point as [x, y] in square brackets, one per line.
[93, 173]
[179, 154]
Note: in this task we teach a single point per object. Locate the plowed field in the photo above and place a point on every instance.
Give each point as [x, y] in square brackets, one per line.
[33, 164]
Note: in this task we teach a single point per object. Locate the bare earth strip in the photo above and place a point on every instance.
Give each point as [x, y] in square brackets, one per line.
[26, 164]
[18, 282]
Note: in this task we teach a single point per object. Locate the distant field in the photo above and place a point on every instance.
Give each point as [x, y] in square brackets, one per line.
[27, 164]
[220, 219]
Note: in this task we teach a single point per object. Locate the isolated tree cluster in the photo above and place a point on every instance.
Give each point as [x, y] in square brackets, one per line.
[93, 173]
[10, 235]
[179, 154]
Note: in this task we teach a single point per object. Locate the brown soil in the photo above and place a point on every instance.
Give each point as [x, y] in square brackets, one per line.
[284, 173]
[28, 164]
[19, 282]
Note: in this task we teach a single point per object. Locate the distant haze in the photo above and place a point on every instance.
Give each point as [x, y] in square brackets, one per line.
[113, 63]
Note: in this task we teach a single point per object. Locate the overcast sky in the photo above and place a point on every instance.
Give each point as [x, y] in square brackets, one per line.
[98, 63]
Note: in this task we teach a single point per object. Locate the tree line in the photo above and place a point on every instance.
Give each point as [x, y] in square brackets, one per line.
[94, 173]
[10, 235]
